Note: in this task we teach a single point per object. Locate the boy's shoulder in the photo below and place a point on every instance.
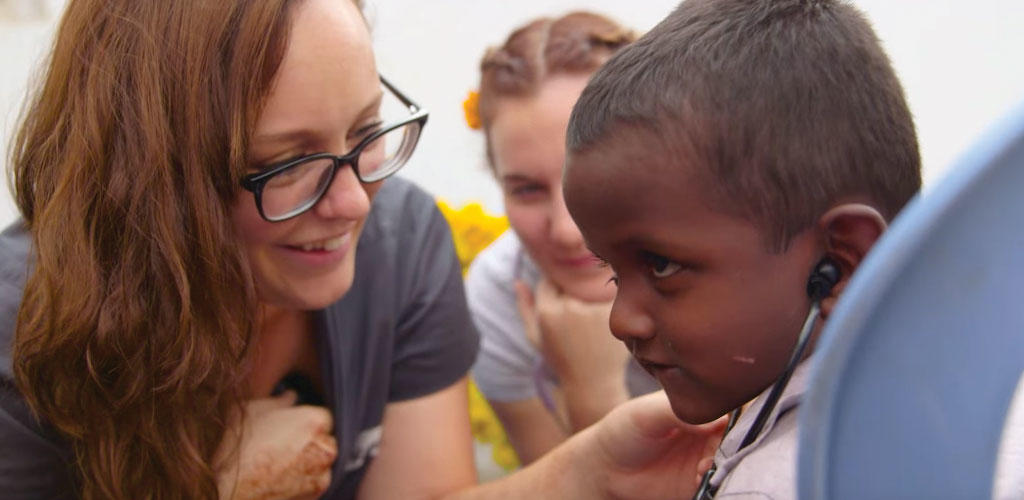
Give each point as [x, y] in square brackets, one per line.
[767, 467]
[769, 470]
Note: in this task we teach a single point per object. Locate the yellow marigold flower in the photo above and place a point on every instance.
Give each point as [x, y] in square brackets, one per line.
[472, 229]
[471, 107]
[488, 430]
[505, 456]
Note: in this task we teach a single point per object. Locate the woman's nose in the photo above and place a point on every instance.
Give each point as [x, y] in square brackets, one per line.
[564, 231]
[346, 197]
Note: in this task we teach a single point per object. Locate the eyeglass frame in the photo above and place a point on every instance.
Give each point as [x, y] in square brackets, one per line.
[255, 183]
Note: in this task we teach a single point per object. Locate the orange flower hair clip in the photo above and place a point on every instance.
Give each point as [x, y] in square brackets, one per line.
[471, 107]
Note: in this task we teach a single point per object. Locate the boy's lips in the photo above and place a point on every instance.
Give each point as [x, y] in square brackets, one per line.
[654, 367]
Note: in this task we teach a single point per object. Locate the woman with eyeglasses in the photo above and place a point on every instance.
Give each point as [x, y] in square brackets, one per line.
[214, 292]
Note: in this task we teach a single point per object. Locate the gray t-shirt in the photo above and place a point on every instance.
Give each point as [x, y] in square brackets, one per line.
[401, 332]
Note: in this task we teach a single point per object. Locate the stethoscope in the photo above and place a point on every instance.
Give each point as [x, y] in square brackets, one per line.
[819, 285]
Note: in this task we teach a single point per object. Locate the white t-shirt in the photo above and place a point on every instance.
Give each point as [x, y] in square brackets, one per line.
[509, 367]
[767, 467]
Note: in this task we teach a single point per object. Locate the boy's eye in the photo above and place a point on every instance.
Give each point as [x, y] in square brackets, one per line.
[661, 267]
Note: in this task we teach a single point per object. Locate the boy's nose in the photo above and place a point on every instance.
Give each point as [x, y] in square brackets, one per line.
[345, 198]
[629, 321]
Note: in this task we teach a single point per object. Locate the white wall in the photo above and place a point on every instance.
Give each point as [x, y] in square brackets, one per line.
[26, 27]
[959, 62]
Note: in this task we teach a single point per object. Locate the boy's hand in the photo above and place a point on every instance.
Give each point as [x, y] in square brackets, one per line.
[642, 451]
[576, 342]
[284, 452]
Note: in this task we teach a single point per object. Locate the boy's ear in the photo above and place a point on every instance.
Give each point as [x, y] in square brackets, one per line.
[849, 231]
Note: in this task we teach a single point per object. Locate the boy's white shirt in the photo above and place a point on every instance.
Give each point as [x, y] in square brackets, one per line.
[766, 469]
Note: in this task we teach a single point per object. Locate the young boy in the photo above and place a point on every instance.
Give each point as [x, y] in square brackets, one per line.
[714, 164]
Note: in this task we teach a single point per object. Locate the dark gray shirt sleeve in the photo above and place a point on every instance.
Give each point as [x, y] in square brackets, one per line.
[435, 339]
[402, 331]
[34, 463]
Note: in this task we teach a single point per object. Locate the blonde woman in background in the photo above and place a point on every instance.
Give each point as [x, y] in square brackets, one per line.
[548, 364]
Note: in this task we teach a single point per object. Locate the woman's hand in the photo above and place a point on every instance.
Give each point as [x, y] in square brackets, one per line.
[282, 451]
[639, 451]
[576, 342]
[643, 451]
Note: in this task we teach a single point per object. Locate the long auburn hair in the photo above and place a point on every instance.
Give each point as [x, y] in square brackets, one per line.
[133, 335]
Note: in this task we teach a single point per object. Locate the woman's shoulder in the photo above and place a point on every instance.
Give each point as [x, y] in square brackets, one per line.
[496, 266]
[14, 248]
[400, 204]
[404, 224]
[404, 248]
[502, 263]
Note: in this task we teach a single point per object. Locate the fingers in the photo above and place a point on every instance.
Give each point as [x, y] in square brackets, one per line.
[643, 429]
[315, 464]
[287, 451]
[638, 431]
[319, 453]
[702, 467]
[317, 486]
[316, 418]
[546, 292]
[652, 416]
[524, 299]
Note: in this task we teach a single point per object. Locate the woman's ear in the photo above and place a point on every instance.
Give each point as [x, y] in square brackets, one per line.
[849, 231]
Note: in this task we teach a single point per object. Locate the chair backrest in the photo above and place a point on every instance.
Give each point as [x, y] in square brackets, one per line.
[916, 368]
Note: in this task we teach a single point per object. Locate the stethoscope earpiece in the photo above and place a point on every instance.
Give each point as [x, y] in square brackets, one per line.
[823, 278]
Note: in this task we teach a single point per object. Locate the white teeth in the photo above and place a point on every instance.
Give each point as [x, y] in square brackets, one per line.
[329, 245]
[334, 243]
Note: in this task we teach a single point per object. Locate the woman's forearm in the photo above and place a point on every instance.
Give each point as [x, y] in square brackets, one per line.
[562, 473]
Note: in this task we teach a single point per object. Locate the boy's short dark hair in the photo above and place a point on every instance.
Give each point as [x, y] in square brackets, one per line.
[790, 105]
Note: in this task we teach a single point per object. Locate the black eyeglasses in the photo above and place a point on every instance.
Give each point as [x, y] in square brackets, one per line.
[290, 188]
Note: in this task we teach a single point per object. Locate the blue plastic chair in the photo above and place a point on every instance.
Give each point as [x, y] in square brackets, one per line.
[916, 368]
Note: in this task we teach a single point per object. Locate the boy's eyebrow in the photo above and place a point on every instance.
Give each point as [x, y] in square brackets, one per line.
[675, 249]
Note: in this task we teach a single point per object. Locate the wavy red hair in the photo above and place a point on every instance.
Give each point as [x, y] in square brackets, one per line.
[133, 334]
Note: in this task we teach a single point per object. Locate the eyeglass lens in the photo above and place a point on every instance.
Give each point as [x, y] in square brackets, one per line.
[301, 186]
